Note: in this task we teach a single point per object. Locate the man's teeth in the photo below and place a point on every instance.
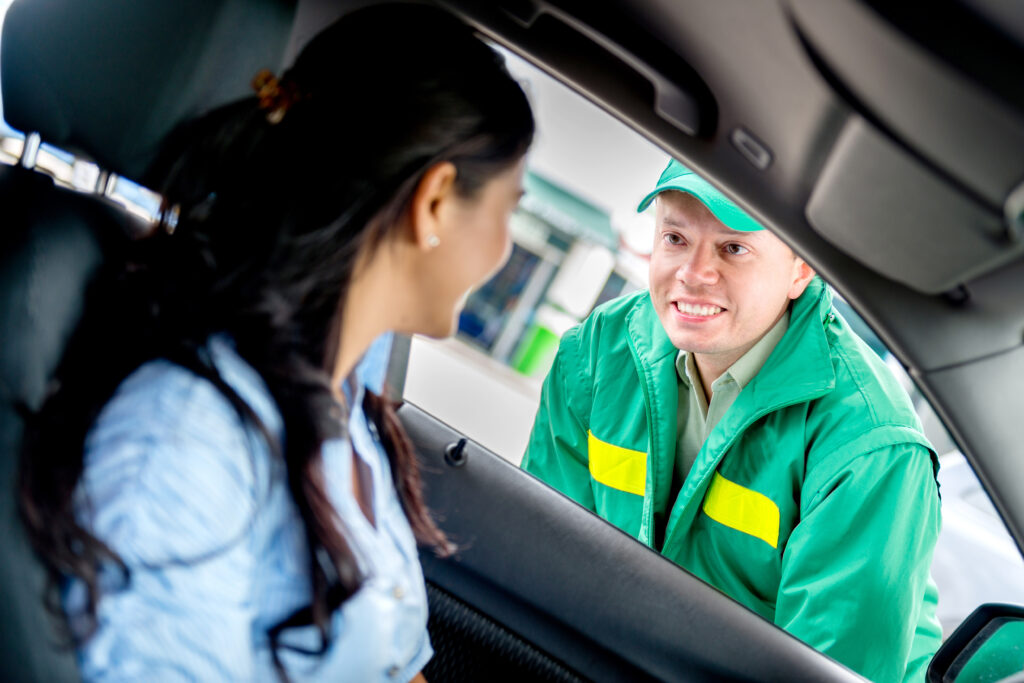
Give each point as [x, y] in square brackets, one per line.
[690, 309]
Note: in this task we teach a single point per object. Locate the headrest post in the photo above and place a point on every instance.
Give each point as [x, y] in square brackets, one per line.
[30, 150]
[109, 183]
[101, 182]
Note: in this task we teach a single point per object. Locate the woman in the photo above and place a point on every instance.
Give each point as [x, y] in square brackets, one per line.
[217, 495]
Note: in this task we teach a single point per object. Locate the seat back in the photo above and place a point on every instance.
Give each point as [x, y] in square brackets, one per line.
[51, 244]
[106, 80]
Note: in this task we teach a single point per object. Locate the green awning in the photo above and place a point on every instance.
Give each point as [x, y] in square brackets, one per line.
[566, 211]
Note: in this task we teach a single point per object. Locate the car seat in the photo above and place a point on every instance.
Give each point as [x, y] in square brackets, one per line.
[105, 80]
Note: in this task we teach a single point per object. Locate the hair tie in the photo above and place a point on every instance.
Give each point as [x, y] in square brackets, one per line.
[275, 96]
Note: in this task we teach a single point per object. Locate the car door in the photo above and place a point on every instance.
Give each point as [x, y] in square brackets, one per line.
[541, 589]
[606, 54]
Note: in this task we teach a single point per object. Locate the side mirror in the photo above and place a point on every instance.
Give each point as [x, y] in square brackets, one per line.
[987, 646]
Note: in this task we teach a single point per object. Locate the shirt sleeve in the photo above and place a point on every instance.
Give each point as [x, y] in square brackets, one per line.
[170, 485]
[855, 572]
[557, 450]
[419, 661]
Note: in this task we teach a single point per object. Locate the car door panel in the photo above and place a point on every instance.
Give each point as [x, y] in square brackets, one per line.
[590, 596]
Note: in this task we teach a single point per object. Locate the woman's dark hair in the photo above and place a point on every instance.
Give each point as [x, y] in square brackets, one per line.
[264, 222]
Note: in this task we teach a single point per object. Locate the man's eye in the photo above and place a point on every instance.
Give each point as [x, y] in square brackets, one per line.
[672, 238]
[735, 249]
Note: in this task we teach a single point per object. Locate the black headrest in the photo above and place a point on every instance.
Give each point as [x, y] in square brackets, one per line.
[110, 78]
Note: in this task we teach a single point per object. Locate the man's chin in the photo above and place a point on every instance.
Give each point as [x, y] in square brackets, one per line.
[691, 343]
[686, 339]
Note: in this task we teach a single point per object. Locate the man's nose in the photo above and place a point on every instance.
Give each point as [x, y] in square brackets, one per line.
[699, 266]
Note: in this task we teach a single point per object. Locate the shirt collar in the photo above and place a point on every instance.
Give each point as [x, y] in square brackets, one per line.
[748, 365]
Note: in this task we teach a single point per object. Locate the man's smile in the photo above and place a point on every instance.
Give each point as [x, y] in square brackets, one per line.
[696, 310]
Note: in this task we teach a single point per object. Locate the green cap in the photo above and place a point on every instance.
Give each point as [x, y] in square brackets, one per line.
[678, 177]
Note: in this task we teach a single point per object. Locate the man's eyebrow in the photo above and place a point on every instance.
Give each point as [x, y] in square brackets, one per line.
[683, 223]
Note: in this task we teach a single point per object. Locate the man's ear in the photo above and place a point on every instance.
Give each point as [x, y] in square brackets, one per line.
[802, 276]
[429, 201]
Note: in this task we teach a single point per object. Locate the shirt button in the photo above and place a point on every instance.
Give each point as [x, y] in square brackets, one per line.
[398, 593]
[393, 671]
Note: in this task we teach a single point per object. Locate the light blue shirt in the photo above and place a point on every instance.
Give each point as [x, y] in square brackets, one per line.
[194, 503]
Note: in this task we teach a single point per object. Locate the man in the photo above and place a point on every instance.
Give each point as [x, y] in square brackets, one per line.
[730, 418]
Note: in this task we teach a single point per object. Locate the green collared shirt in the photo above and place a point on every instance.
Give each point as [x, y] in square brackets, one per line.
[696, 418]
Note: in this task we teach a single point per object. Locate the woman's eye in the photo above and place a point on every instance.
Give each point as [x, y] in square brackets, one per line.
[735, 249]
[672, 238]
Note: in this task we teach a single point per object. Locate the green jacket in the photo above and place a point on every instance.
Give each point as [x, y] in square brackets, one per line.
[813, 501]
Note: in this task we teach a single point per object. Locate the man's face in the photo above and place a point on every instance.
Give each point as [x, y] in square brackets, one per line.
[717, 291]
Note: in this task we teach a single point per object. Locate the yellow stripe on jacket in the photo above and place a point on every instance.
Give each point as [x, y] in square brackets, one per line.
[617, 467]
[743, 509]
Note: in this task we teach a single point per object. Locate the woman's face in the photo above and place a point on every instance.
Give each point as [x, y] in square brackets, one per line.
[474, 244]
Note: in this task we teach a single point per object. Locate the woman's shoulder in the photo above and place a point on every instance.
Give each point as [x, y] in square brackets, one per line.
[172, 468]
[159, 382]
[165, 399]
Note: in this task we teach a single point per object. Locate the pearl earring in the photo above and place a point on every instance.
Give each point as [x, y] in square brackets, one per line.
[433, 241]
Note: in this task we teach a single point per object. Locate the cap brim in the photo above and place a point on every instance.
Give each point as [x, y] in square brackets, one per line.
[724, 210]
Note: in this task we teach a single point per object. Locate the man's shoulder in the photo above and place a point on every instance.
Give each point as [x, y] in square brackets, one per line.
[859, 369]
[867, 397]
[603, 336]
[621, 307]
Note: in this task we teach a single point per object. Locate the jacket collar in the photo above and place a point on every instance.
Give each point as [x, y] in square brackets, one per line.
[649, 337]
[800, 367]
[655, 356]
